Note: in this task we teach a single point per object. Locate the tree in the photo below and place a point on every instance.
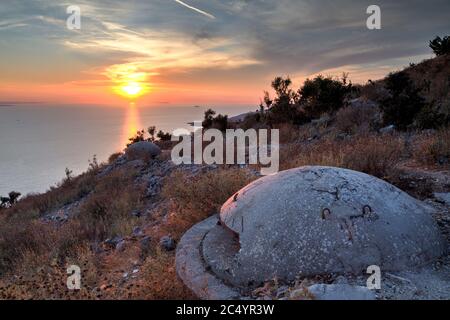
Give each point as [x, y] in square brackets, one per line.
[440, 46]
[13, 197]
[6, 202]
[283, 108]
[152, 131]
[403, 103]
[208, 118]
[219, 122]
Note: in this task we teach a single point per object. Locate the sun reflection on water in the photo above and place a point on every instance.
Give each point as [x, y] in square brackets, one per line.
[131, 125]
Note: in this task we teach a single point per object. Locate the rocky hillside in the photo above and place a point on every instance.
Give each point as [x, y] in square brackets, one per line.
[120, 221]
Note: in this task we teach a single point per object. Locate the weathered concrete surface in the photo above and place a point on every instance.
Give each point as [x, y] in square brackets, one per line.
[142, 150]
[443, 197]
[192, 269]
[340, 292]
[318, 220]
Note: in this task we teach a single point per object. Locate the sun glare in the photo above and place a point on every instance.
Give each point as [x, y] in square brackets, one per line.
[132, 89]
[129, 82]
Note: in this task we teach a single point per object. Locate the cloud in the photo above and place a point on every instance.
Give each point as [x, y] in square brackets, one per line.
[245, 41]
[195, 9]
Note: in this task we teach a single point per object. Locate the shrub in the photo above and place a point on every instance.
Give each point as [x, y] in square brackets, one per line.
[440, 46]
[163, 136]
[138, 137]
[323, 95]
[403, 104]
[434, 116]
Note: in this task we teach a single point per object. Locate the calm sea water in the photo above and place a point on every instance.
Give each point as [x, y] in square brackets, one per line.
[38, 142]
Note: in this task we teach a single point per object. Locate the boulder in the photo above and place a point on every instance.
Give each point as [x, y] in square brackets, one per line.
[142, 150]
[318, 220]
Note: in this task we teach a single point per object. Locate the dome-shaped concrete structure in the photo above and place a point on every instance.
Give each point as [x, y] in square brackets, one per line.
[317, 220]
[142, 150]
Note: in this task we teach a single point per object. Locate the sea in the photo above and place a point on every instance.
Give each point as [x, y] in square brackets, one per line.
[38, 142]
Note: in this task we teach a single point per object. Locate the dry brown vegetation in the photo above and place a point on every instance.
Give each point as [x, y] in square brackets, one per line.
[372, 154]
[356, 120]
[196, 197]
[434, 148]
[34, 252]
[28, 244]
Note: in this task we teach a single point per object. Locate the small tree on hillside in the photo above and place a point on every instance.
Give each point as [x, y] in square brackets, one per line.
[283, 108]
[440, 46]
[152, 131]
[219, 122]
[208, 118]
[13, 197]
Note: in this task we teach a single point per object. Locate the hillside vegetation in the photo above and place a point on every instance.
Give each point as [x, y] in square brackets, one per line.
[120, 220]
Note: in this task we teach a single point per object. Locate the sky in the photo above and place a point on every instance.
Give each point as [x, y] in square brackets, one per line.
[198, 52]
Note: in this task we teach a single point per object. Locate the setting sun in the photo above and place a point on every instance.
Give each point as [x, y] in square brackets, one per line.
[132, 89]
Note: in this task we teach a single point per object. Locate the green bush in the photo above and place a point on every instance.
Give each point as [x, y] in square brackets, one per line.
[403, 102]
[323, 95]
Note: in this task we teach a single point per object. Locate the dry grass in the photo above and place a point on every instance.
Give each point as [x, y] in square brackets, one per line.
[28, 244]
[372, 154]
[47, 279]
[107, 212]
[159, 280]
[353, 120]
[197, 197]
[434, 148]
[66, 192]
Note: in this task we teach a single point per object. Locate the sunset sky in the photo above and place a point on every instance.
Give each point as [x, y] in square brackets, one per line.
[202, 51]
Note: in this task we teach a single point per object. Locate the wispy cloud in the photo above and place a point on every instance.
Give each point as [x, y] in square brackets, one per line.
[196, 9]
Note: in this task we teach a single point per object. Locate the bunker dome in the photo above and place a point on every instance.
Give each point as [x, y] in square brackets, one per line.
[317, 220]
